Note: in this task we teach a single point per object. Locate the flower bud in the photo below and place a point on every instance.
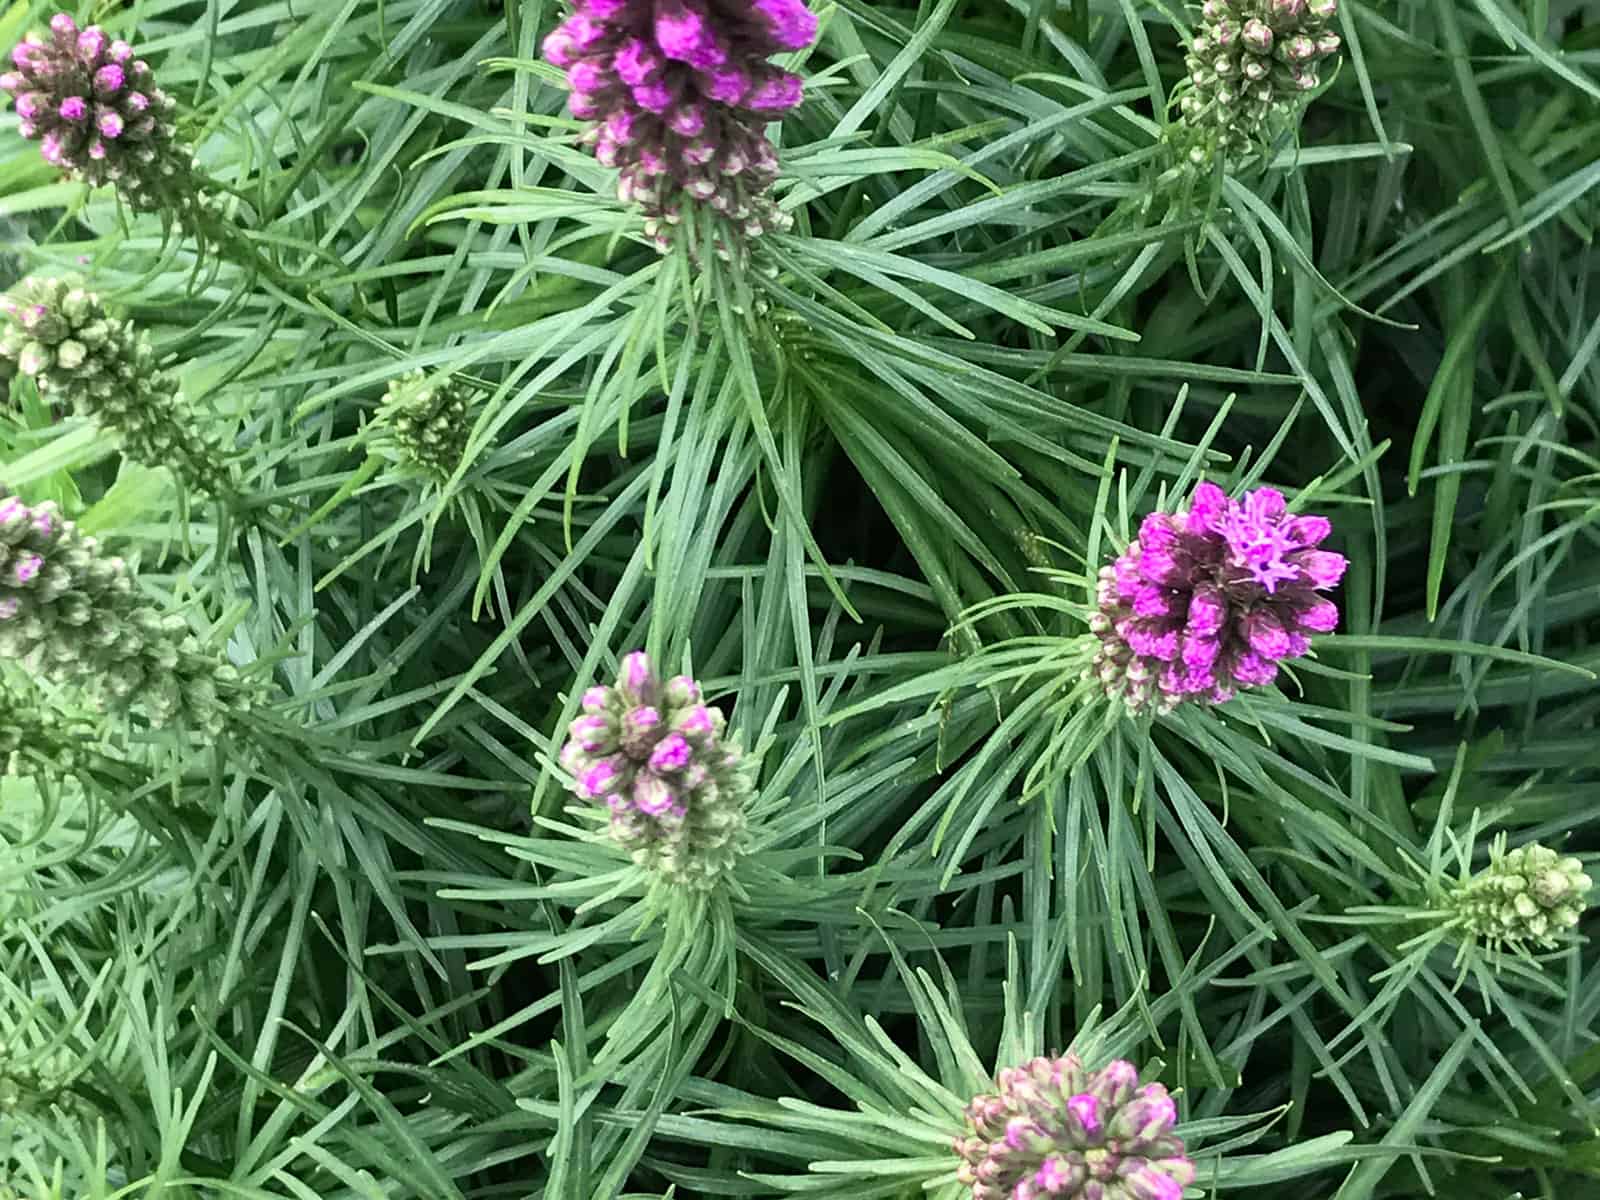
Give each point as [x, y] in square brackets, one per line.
[71, 97]
[81, 358]
[1526, 897]
[1054, 1129]
[676, 790]
[682, 93]
[84, 626]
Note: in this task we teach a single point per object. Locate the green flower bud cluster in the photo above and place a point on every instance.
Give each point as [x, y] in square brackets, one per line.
[24, 1087]
[1250, 64]
[59, 334]
[36, 739]
[71, 615]
[426, 423]
[1530, 895]
[33, 1076]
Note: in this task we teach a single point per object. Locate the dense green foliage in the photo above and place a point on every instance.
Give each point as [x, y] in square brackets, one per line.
[428, 435]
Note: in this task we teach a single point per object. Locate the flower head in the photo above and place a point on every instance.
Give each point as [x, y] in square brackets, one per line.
[656, 756]
[59, 333]
[1527, 896]
[1212, 598]
[71, 615]
[95, 111]
[1250, 64]
[1057, 1129]
[426, 421]
[681, 92]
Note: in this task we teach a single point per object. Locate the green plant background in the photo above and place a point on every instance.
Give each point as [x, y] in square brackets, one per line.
[360, 946]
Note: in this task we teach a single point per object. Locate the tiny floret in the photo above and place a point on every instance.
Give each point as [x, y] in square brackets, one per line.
[1056, 1129]
[1211, 599]
[657, 757]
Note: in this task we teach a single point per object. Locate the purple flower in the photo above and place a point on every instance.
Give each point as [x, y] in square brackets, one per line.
[656, 757]
[1213, 598]
[95, 111]
[681, 92]
[1055, 1129]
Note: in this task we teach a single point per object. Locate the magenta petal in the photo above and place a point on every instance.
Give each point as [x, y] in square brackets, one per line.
[1200, 653]
[654, 97]
[1152, 641]
[1321, 617]
[1253, 670]
[108, 80]
[1052, 1178]
[1208, 610]
[587, 76]
[778, 94]
[683, 31]
[636, 675]
[652, 795]
[695, 722]
[1308, 531]
[1323, 568]
[600, 779]
[687, 121]
[1207, 507]
[559, 49]
[636, 62]
[792, 25]
[1086, 1108]
[1266, 634]
[1158, 565]
[591, 733]
[1114, 1083]
[672, 753]
[725, 85]
[92, 43]
[1152, 601]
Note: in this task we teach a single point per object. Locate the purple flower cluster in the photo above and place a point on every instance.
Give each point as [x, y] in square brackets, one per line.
[1057, 1129]
[655, 755]
[1211, 599]
[95, 110]
[682, 91]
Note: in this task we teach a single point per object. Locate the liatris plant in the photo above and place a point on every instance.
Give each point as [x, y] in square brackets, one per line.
[96, 112]
[1057, 1129]
[1250, 64]
[1529, 896]
[426, 423]
[59, 334]
[72, 616]
[1212, 599]
[655, 754]
[681, 92]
